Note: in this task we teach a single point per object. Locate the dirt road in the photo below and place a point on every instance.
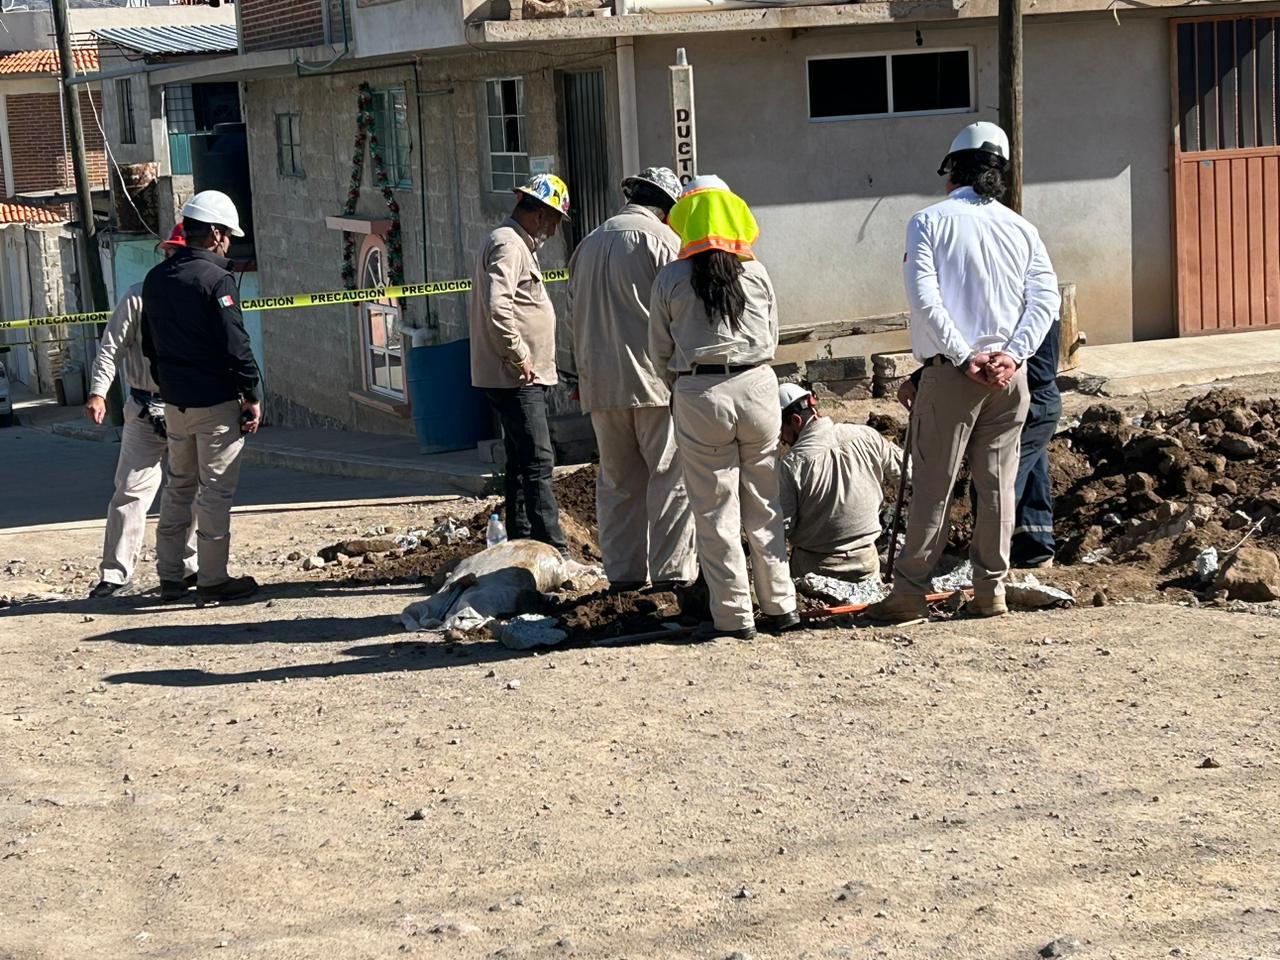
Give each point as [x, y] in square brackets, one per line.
[296, 778]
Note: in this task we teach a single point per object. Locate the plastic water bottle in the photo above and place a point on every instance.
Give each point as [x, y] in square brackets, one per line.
[496, 533]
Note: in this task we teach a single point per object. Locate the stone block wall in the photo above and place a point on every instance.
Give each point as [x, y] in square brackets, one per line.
[314, 357]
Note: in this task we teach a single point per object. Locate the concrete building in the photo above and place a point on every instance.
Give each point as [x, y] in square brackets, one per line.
[42, 271]
[151, 129]
[1151, 156]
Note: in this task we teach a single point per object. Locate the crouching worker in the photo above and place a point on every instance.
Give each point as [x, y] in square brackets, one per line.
[831, 484]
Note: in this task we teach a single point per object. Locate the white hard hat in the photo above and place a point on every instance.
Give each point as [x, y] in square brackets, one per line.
[984, 136]
[214, 206]
[706, 181]
[789, 393]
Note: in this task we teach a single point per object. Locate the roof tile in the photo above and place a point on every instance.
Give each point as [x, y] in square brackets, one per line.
[24, 213]
[46, 61]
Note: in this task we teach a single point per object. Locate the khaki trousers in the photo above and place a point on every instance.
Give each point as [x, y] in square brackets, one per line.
[853, 565]
[646, 528]
[139, 472]
[727, 431]
[954, 416]
[204, 469]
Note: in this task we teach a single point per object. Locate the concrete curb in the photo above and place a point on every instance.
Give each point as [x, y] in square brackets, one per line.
[81, 431]
[365, 468]
[1082, 380]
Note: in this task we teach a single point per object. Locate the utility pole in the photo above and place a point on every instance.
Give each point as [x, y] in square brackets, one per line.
[1011, 94]
[683, 126]
[91, 262]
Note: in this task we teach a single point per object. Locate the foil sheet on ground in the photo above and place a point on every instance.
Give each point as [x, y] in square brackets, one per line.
[492, 585]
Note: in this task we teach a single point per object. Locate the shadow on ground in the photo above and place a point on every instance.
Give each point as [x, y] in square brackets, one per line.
[404, 657]
[149, 601]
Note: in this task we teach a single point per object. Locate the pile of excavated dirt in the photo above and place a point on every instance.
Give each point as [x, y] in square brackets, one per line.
[1207, 469]
[1137, 500]
[433, 558]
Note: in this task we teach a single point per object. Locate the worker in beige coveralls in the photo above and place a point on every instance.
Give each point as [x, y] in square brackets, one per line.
[646, 529]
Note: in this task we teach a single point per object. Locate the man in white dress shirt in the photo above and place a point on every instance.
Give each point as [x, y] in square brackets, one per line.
[983, 295]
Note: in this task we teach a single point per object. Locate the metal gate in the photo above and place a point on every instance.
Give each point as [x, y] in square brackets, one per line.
[586, 150]
[1226, 170]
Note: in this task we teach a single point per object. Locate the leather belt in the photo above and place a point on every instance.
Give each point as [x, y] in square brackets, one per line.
[144, 397]
[724, 369]
[939, 360]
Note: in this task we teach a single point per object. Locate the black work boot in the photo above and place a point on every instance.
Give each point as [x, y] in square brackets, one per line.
[776, 623]
[237, 588]
[105, 589]
[709, 631]
[171, 591]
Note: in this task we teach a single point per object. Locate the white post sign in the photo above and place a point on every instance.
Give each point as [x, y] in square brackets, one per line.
[684, 136]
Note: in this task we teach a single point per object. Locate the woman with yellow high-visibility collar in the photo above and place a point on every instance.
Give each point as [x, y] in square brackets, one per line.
[714, 329]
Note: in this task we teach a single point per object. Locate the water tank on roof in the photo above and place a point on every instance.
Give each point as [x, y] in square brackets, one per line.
[220, 161]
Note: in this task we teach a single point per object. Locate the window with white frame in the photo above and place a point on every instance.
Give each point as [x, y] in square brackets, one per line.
[124, 98]
[508, 150]
[391, 121]
[383, 349]
[289, 144]
[890, 84]
[179, 108]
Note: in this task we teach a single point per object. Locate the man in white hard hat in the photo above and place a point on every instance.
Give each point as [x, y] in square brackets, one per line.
[143, 443]
[832, 486]
[513, 352]
[194, 337]
[646, 529]
[983, 295]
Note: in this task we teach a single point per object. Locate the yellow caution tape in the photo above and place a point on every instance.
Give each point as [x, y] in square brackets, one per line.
[101, 316]
[299, 300]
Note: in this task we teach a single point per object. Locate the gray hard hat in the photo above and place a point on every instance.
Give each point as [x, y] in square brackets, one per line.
[661, 177]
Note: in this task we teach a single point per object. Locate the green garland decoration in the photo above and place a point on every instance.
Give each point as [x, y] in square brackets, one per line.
[367, 138]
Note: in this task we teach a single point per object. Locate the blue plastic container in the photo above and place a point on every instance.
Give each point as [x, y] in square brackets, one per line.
[448, 412]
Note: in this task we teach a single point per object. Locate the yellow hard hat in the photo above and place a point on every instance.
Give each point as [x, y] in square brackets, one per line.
[550, 189]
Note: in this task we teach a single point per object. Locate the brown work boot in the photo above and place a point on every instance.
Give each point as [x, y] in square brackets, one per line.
[898, 608]
[986, 607]
[237, 588]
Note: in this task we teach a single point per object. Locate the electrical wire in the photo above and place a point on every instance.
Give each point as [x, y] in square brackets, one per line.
[106, 145]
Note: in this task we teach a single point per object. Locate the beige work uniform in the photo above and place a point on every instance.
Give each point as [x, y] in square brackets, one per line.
[727, 429]
[646, 529]
[953, 416]
[512, 320]
[140, 466]
[832, 487]
[204, 470]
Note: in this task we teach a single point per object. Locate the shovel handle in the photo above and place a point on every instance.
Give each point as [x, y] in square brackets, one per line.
[819, 613]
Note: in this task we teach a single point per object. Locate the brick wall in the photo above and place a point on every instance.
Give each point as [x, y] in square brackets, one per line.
[39, 160]
[279, 24]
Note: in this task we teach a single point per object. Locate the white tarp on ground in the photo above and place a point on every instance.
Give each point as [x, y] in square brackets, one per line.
[490, 585]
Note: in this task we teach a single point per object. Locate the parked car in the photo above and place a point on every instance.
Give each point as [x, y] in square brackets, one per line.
[6, 400]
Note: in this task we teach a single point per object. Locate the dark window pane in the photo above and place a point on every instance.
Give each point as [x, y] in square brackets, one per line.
[1188, 94]
[513, 135]
[931, 81]
[848, 87]
[510, 102]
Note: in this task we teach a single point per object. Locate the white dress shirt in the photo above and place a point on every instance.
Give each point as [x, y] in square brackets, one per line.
[122, 340]
[978, 280]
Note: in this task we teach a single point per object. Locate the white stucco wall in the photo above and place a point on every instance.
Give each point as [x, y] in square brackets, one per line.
[833, 198]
